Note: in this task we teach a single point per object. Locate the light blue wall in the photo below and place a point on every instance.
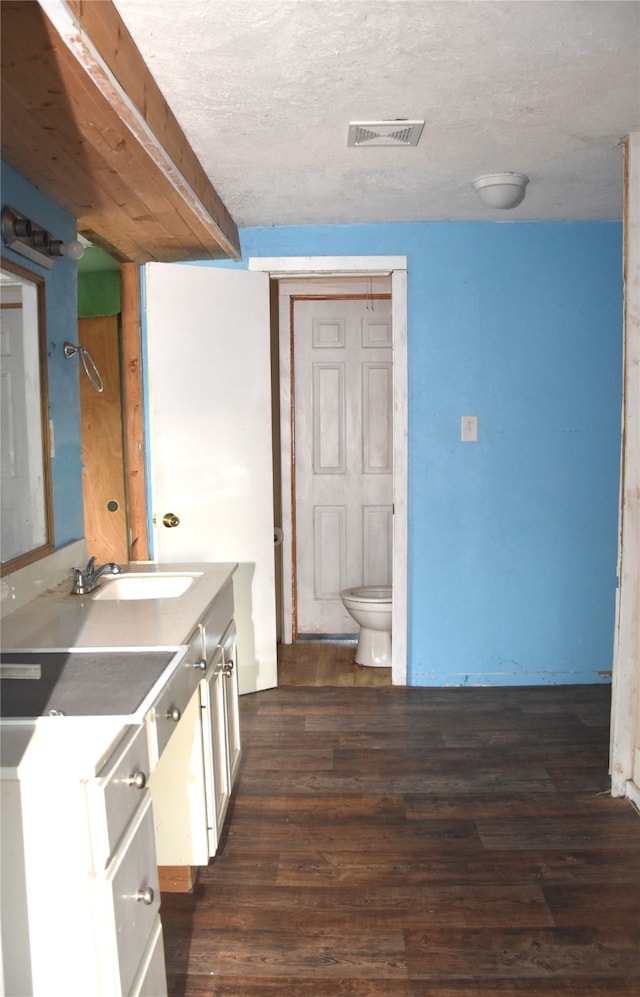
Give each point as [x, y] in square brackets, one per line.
[513, 540]
[62, 324]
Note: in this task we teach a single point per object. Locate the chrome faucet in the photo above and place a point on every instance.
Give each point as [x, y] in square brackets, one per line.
[86, 581]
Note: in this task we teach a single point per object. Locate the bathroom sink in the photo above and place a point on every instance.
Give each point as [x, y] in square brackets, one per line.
[148, 585]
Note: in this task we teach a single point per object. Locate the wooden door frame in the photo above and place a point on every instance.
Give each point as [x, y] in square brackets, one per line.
[133, 414]
[290, 292]
[106, 529]
[334, 271]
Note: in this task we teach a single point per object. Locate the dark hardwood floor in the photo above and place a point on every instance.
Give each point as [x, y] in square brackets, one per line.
[390, 842]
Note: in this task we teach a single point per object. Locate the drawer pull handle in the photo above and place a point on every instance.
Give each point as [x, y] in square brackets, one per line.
[174, 713]
[147, 896]
[227, 668]
[201, 665]
[138, 780]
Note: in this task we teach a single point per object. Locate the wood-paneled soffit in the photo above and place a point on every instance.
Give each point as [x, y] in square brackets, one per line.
[84, 121]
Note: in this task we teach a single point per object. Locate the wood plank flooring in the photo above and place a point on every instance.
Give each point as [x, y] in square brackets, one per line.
[391, 842]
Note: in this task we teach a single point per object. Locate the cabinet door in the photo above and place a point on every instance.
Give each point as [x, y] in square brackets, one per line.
[178, 792]
[230, 671]
[214, 737]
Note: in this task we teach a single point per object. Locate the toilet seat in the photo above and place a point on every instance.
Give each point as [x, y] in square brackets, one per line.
[368, 594]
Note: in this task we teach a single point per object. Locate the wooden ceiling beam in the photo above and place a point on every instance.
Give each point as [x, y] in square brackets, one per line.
[83, 119]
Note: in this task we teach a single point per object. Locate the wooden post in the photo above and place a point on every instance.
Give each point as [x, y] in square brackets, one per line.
[134, 413]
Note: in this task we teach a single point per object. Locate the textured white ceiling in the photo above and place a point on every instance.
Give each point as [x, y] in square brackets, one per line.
[264, 91]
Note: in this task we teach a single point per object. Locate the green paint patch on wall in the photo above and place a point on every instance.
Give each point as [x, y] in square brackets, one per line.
[99, 294]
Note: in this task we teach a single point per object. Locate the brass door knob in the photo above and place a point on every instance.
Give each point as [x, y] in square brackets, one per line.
[170, 519]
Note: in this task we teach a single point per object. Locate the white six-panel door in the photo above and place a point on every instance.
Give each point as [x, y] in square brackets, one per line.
[343, 376]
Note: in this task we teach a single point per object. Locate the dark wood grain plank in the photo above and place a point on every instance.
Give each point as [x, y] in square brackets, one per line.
[540, 954]
[234, 986]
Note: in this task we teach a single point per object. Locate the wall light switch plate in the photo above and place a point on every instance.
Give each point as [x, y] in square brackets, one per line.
[469, 429]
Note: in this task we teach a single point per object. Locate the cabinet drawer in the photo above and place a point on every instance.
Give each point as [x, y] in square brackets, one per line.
[164, 716]
[117, 792]
[151, 980]
[217, 620]
[134, 894]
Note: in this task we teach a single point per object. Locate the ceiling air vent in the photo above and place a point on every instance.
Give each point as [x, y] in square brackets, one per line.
[397, 132]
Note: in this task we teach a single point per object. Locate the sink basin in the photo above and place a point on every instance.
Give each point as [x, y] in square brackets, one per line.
[156, 585]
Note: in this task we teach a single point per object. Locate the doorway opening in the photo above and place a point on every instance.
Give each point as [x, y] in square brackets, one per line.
[339, 278]
[113, 441]
[339, 471]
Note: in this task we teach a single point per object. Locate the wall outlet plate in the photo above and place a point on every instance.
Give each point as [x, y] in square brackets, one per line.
[469, 429]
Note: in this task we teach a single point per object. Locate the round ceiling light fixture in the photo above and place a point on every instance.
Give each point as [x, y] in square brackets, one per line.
[501, 190]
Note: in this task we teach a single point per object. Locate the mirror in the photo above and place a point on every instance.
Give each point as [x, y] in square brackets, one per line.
[26, 506]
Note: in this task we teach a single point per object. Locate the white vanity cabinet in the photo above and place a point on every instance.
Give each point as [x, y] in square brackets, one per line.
[92, 802]
[189, 812]
[89, 877]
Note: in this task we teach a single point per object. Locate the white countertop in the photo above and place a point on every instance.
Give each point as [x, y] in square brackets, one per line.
[57, 619]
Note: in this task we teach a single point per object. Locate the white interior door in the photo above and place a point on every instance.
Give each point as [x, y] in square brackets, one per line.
[210, 439]
[343, 377]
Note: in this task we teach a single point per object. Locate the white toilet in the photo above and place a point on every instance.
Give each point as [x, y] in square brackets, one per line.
[370, 607]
